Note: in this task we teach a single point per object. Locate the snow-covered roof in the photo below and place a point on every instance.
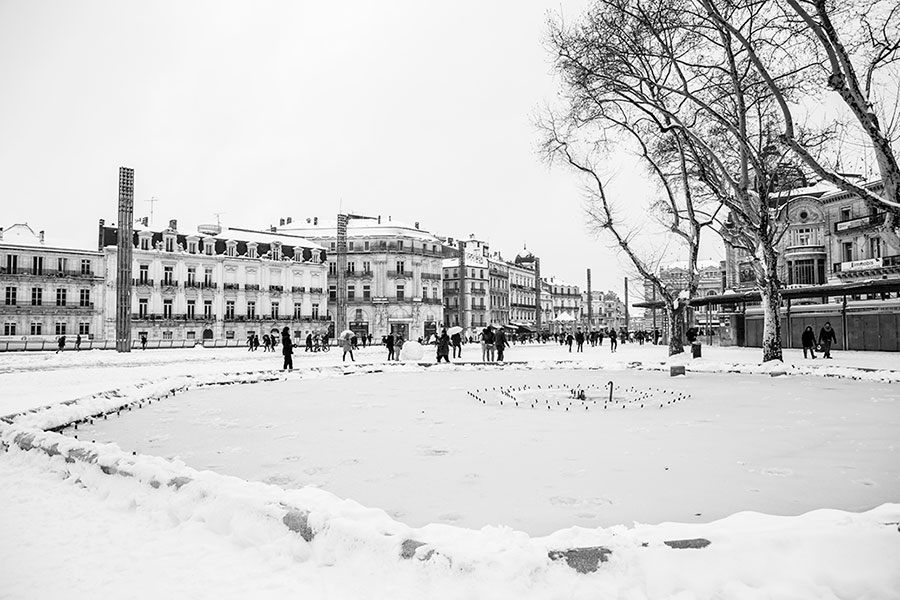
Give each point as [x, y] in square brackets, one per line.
[21, 234]
[267, 237]
[701, 264]
[327, 228]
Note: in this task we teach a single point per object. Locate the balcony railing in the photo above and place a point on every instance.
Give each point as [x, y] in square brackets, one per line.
[277, 289]
[479, 291]
[209, 285]
[359, 273]
[252, 287]
[867, 221]
[298, 289]
[143, 282]
[313, 290]
[191, 284]
[434, 276]
[399, 274]
[232, 286]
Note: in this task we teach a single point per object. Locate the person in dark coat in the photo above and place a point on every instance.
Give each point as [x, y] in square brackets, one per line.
[456, 342]
[61, 344]
[309, 342]
[808, 338]
[826, 338]
[613, 340]
[487, 344]
[287, 349]
[347, 347]
[500, 342]
[78, 342]
[443, 347]
[579, 340]
[389, 343]
[143, 341]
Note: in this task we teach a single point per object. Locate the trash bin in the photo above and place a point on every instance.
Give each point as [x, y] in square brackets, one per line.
[695, 349]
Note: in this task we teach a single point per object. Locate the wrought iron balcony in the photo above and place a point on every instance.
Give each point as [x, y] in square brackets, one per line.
[857, 223]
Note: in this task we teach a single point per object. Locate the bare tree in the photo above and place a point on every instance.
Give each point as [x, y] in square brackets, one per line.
[845, 45]
[665, 159]
[683, 71]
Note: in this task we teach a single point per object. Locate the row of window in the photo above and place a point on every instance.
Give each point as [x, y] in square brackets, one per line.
[366, 245]
[209, 247]
[9, 328]
[400, 292]
[38, 268]
[168, 312]
[11, 296]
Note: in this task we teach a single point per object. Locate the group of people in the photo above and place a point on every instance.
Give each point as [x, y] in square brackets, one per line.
[493, 344]
[827, 337]
[61, 343]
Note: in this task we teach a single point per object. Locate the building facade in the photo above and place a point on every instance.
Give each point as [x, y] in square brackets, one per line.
[467, 284]
[608, 311]
[218, 285]
[48, 291]
[393, 275]
[523, 293]
[498, 301]
[565, 299]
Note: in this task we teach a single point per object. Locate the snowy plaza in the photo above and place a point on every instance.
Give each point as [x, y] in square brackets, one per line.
[790, 473]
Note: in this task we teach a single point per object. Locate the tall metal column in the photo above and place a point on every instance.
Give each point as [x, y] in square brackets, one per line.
[340, 311]
[537, 294]
[590, 323]
[462, 284]
[627, 324]
[125, 246]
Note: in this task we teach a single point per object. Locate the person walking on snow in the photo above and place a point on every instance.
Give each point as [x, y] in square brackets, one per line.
[487, 344]
[287, 349]
[389, 343]
[456, 342]
[579, 340]
[347, 346]
[809, 341]
[78, 342]
[443, 347]
[500, 342]
[826, 338]
[61, 344]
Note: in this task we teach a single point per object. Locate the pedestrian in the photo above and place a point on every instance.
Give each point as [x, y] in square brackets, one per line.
[613, 340]
[398, 347]
[60, 344]
[309, 342]
[579, 340]
[600, 338]
[370, 339]
[143, 341]
[443, 347]
[78, 342]
[250, 342]
[287, 349]
[500, 342]
[389, 344]
[809, 341]
[267, 342]
[569, 339]
[456, 342]
[347, 346]
[255, 342]
[353, 342]
[487, 344]
[826, 338]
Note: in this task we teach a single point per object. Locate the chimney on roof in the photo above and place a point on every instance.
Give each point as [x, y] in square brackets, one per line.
[389, 218]
[41, 233]
[281, 222]
[417, 224]
[379, 219]
[288, 220]
[173, 224]
[1, 233]
[272, 228]
[315, 220]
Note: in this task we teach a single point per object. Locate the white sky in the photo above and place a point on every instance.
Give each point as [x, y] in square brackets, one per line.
[419, 110]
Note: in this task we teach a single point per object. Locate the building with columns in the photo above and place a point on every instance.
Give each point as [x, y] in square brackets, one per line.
[564, 299]
[216, 284]
[608, 311]
[523, 292]
[393, 275]
[48, 290]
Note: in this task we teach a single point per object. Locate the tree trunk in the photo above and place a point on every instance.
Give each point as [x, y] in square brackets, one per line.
[676, 326]
[770, 290]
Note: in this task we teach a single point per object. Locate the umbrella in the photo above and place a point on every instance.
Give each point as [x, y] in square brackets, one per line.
[454, 330]
[346, 334]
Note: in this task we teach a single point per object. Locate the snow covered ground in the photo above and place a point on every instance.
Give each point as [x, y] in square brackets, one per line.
[71, 530]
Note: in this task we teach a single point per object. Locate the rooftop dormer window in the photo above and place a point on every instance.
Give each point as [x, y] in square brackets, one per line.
[251, 250]
[170, 243]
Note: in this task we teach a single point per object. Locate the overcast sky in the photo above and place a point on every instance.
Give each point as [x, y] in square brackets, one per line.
[257, 110]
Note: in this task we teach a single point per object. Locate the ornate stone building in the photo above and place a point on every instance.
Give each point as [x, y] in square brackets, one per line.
[48, 291]
[218, 285]
[522, 291]
[393, 275]
[468, 281]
